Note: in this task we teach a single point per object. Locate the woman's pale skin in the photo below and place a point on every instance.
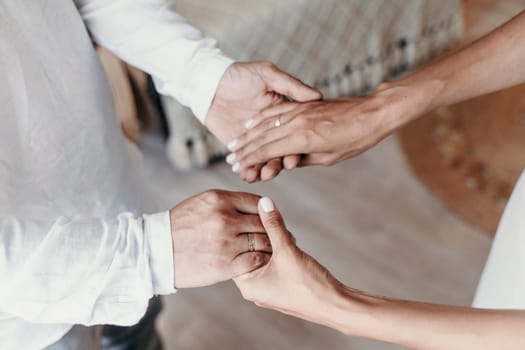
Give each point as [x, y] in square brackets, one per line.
[294, 283]
[327, 132]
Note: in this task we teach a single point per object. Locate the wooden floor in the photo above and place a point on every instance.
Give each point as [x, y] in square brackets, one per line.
[368, 220]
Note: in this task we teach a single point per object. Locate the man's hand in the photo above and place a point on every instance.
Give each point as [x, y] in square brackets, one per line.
[245, 90]
[217, 235]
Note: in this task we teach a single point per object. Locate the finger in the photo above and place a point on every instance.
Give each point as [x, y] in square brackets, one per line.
[281, 108]
[275, 149]
[246, 223]
[260, 242]
[249, 175]
[266, 128]
[252, 174]
[283, 132]
[287, 85]
[315, 159]
[291, 162]
[244, 202]
[273, 224]
[271, 169]
[248, 262]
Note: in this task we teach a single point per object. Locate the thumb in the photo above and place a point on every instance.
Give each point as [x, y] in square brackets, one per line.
[273, 223]
[287, 85]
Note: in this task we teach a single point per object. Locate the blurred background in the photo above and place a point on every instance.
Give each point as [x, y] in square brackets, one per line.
[412, 218]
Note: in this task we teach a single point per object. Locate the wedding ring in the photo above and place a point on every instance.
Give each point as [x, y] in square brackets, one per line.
[251, 242]
[277, 122]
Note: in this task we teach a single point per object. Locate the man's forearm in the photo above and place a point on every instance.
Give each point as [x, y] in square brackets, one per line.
[150, 36]
[79, 271]
[492, 63]
[423, 326]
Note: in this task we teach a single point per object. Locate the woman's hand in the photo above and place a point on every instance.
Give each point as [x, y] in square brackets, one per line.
[327, 132]
[292, 282]
[296, 284]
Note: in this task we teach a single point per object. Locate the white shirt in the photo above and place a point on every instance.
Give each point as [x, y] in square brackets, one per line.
[75, 245]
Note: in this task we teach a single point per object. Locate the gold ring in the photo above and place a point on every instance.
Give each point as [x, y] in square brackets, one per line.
[251, 242]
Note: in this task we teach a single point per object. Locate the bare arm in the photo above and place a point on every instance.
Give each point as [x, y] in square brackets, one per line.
[296, 284]
[492, 63]
[327, 132]
[421, 325]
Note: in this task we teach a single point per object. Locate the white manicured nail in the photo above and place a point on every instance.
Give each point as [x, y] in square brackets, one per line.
[267, 204]
[232, 144]
[248, 124]
[230, 158]
[236, 167]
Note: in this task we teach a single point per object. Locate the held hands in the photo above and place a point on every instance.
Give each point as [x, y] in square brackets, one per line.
[217, 235]
[220, 235]
[323, 132]
[245, 90]
[292, 282]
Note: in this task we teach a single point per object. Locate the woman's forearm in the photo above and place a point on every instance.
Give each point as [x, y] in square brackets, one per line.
[494, 62]
[327, 132]
[420, 325]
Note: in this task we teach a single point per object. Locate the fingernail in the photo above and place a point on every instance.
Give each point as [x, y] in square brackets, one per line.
[236, 167]
[248, 124]
[232, 144]
[266, 204]
[230, 158]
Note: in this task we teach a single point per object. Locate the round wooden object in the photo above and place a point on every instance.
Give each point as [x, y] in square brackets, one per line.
[470, 155]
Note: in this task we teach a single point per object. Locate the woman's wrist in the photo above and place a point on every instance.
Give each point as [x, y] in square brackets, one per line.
[339, 308]
[407, 99]
[356, 313]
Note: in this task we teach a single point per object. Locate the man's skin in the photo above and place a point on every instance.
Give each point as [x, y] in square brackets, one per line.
[209, 230]
[245, 90]
[210, 238]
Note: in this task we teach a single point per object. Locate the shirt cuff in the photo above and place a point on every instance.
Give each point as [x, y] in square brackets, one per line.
[158, 232]
[204, 74]
[205, 79]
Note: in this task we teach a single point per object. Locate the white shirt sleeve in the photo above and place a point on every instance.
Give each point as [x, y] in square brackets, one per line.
[149, 35]
[89, 271]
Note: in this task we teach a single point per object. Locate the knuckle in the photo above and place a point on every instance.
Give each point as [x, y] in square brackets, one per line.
[222, 244]
[257, 259]
[327, 161]
[224, 221]
[268, 66]
[221, 221]
[213, 196]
